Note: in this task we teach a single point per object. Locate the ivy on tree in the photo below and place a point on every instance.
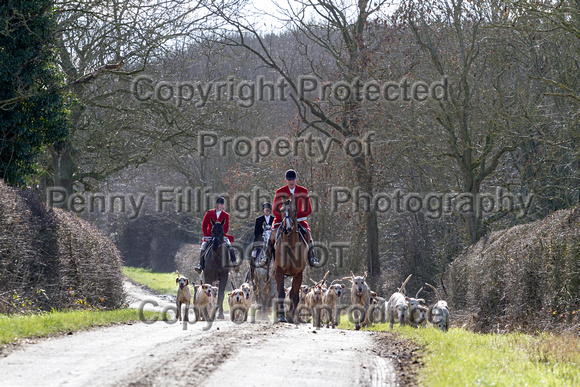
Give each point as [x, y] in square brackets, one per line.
[32, 111]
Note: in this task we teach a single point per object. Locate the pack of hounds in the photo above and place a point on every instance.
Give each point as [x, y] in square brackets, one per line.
[322, 304]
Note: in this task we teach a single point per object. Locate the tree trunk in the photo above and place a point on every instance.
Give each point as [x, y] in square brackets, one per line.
[365, 181]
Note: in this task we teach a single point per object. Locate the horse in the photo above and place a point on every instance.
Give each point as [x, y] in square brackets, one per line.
[290, 258]
[265, 291]
[217, 263]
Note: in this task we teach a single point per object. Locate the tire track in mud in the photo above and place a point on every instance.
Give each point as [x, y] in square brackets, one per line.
[196, 358]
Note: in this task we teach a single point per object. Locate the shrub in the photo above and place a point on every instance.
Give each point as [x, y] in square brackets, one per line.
[526, 277]
[50, 258]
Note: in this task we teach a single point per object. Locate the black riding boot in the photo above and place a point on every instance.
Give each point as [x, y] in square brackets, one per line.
[199, 268]
[253, 262]
[232, 255]
[312, 260]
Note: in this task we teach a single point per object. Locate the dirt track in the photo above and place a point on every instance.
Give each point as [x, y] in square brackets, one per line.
[160, 354]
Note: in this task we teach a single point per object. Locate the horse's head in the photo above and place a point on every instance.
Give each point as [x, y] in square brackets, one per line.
[289, 222]
[217, 233]
[267, 231]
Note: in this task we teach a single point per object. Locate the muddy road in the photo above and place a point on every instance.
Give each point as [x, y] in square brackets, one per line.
[163, 354]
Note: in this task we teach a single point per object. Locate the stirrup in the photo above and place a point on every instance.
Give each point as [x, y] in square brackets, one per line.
[266, 258]
[313, 262]
[198, 268]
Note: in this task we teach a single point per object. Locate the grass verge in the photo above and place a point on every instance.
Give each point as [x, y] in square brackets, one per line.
[460, 357]
[162, 283]
[16, 327]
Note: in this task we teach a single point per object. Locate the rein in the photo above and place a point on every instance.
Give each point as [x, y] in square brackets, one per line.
[215, 242]
[289, 230]
[290, 222]
[217, 237]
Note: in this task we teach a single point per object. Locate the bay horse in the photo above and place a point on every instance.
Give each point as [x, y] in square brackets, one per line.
[291, 257]
[217, 263]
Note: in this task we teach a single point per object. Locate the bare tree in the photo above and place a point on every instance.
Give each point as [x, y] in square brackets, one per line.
[476, 118]
[340, 33]
[103, 46]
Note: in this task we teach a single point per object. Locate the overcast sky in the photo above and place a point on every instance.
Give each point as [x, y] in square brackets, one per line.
[268, 14]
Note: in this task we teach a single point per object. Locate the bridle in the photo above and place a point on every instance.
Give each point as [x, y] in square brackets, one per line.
[266, 233]
[288, 222]
[216, 240]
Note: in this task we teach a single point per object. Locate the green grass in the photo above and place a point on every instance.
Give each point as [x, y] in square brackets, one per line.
[15, 327]
[163, 283]
[460, 357]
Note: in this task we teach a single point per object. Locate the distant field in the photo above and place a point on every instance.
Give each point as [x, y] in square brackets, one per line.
[163, 283]
[460, 357]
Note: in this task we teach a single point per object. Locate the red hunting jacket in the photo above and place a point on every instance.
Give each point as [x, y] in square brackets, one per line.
[206, 224]
[302, 201]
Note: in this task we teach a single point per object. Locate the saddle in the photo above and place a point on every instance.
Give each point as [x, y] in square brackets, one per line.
[302, 231]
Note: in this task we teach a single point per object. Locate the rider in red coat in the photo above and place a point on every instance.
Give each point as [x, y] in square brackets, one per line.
[303, 209]
[217, 215]
[213, 214]
[302, 202]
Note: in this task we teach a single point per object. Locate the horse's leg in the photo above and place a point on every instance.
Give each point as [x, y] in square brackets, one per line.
[295, 293]
[281, 294]
[316, 316]
[223, 278]
[264, 288]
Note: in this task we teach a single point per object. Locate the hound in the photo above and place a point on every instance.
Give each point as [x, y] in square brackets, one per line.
[303, 312]
[438, 314]
[377, 308]
[314, 303]
[237, 302]
[331, 303]
[248, 295]
[214, 297]
[183, 297]
[417, 312]
[397, 307]
[360, 295]
[202, 301]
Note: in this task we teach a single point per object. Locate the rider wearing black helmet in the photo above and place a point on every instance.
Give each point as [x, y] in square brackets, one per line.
[262, 223]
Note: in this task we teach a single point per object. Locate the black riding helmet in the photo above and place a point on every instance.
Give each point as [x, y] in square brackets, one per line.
[290, 174]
